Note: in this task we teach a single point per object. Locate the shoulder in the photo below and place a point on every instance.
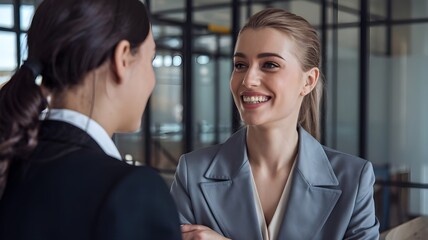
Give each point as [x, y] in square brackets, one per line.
[317, 157]
[194, 164]
[231, 150]
[140, 186]
[345, 161]
[70, 166]
[120, 175]
[139, 206]
[93, 160]
[350, 169]
[202, 156]
[140, 181]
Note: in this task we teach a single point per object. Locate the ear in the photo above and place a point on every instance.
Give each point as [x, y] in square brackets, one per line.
[311, 79]
[121, 60]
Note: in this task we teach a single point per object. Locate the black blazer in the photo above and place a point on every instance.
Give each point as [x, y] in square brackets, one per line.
[70, 189]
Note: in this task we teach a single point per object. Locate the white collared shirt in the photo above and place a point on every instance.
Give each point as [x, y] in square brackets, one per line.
[272, 232]
[88, 125]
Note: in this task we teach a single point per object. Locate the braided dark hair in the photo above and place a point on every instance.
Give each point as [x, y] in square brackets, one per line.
[66, 40]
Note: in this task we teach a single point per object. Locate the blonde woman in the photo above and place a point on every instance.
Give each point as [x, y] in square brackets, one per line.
[273, 179]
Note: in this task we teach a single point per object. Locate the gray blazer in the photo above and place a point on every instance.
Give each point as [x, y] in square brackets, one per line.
[331, 196]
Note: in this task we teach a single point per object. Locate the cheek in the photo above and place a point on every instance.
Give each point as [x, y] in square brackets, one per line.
[148, 75]
[151, 77]
[234, 83]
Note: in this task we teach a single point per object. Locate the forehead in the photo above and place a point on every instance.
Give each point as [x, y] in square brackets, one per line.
[264, 40]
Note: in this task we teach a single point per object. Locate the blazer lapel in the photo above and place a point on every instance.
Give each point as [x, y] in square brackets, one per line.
[313, 195]
[230, 196]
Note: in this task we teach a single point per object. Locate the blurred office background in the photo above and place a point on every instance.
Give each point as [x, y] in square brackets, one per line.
[375, 56]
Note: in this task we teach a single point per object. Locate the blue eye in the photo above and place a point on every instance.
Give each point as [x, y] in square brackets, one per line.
[239, 66]
[270, 65]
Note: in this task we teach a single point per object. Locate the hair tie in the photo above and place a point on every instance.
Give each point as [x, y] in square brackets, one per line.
[34, 66]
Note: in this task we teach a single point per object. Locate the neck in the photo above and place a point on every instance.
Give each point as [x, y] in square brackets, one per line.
[272, 149]
[87, 100]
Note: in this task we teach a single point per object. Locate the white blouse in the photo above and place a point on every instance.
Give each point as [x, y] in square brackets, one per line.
[271, 232]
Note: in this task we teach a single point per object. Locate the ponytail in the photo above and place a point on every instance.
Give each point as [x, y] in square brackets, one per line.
[21, 101]
[309, 111]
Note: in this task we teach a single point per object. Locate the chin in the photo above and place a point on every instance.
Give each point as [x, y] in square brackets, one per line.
[136, 128]
[131, 128]
[251, 121]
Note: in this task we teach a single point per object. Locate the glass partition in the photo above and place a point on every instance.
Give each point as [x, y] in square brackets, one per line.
[390, 110]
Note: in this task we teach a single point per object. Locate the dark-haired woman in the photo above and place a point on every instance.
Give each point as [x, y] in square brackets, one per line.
[60, 173]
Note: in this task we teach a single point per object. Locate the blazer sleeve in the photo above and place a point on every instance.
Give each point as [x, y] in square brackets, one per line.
[180, 193]
[364, 224]
[138, 207]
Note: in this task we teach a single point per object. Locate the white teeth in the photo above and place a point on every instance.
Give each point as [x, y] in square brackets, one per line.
[254, 99]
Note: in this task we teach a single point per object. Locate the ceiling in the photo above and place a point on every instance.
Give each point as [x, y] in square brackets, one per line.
[169, 16]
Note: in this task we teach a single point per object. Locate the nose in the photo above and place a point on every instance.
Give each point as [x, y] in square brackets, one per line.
[251, 78]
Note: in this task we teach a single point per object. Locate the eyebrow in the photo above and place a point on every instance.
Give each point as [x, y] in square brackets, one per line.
[260, 55]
